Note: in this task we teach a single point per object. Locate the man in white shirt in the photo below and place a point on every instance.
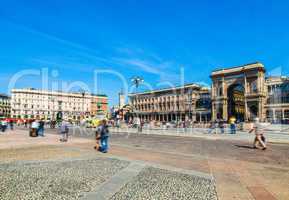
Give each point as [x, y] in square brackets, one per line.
[138, 124]
[34, 128]
[259, 135]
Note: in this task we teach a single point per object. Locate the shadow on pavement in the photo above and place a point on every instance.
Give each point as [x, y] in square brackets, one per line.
[244, 146]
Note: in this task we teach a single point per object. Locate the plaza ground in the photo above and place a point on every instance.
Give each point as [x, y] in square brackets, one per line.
[142, 166]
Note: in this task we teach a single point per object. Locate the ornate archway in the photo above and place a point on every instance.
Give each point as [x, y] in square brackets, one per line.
[235, 89]
[236, 102]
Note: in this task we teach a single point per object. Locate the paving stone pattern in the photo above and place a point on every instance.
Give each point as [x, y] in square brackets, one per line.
[55, 180]
[159, 184]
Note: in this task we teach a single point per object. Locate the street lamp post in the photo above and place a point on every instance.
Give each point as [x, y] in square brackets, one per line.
[83, 97]
[189, 102]
[136, 81]
[82, 111]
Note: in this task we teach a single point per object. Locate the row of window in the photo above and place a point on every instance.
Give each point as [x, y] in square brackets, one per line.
[4, 104]
[4, 110]
[48, 108]
[280, 88]
[201, 103]
[278, 114]
[75, 117]
[164, 98]
[34, 101]
[275, 99]
[45, 97]
[44, 112]
[162, 107]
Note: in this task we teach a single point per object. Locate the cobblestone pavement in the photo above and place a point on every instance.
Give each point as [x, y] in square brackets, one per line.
[240, 172]
[55, 179]
[159, 184]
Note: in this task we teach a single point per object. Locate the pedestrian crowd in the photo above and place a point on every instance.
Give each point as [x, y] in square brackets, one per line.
[256, 127]
[222, 125]
[37, 129]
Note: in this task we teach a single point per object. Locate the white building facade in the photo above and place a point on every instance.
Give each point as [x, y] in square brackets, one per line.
[35, 104]
[187, 102]
[277, 105]
[5, 106]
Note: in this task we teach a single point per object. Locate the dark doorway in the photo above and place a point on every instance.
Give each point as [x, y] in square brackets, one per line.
[236, 102]
[254, 111]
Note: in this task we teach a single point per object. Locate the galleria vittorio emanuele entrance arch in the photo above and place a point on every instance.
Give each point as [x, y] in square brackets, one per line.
[239, 92]
[236, 101]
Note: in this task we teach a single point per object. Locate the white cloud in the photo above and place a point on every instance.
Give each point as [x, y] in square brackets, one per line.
[142, 65]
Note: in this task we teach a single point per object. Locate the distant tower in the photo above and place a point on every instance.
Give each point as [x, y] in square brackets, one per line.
[121, 99]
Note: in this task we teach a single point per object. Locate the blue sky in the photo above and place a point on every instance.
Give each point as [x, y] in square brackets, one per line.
[156, 39]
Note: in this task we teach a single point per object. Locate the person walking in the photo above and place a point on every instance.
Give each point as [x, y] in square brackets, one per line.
[104, 135]
[232, 122]
[41, 128]
[52, 124]
[34, 129]
[11, 124]
[213, 127]
[3, 125]
[64, 130]
[222, 126]
[97, 140]
[259, 135]
[142, 122]
[138, 124]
